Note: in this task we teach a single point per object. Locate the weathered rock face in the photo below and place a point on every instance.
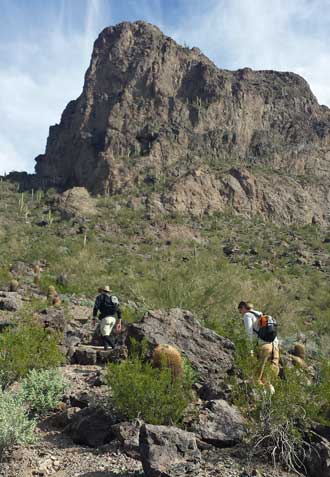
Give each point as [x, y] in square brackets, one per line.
[168, 452]
[211, 355]
[220, 424]
[200, 139]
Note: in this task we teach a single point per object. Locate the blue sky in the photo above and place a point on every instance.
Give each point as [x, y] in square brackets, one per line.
[45, 47]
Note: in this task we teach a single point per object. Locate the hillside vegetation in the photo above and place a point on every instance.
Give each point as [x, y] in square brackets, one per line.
[204, 265]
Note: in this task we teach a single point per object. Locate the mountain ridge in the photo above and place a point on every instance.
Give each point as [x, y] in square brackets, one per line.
[162, 124]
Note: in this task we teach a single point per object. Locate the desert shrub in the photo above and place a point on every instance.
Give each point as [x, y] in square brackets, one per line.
[139, 390]
[278, 423]
[281, 421]
[319, 404]
[4, 276]
[130, 315]
[28, 347]
[42, 390]
[15, 425]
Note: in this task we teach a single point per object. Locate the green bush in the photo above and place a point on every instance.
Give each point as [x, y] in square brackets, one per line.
[319, 404]
[5, 276]
[139, 390]
[278, 423]
[130, 315]
[42, 390]
[15, 425]
[28, 347]
[282, 420]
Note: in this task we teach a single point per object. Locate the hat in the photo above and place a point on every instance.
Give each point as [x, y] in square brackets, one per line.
[106, 289]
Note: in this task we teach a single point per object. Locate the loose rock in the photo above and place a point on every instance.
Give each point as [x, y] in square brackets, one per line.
[220, 424]
[168, 452]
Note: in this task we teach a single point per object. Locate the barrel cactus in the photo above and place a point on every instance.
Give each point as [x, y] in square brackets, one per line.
[51, 292]
[13, 285]
[168, 356]
[36, 274]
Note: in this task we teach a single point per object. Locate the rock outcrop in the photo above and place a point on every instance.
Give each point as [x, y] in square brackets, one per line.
[163, 119]
[210, 355]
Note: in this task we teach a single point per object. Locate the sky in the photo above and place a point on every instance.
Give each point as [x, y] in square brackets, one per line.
[45, 48]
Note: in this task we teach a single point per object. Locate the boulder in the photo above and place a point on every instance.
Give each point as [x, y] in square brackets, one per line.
[317, 461]
[211, 355]
[76, 203]
[168, 452]
[127, 433]
[220, 424]
[91, 426]
[86, 356]
[78, 398]
[20, 268]
[10, 301]
[62, 419]
[116, 355]
[53, 318]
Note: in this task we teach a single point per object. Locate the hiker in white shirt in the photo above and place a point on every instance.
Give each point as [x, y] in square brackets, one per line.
[267, 351]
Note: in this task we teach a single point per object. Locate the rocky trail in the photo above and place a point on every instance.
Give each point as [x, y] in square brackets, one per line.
[85, 437]
[56, 454]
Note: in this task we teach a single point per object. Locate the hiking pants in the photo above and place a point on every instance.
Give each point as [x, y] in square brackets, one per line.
[108, 342]
[106, 326]
[269, 353]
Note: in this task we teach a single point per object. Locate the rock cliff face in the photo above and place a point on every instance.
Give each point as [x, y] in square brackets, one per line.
[162, 123]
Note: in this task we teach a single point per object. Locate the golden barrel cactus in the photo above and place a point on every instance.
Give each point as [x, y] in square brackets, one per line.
[51, 292]
[37, 269]
[13, 285]
[168, 356]
[36, 274]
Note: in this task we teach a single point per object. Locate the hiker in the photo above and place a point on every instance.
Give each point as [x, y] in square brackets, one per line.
[105, 308]
[262, 328]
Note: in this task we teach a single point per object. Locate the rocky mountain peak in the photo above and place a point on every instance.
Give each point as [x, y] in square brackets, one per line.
[162, 124]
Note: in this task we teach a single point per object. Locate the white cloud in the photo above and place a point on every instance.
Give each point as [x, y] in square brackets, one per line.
[9, 159]
[287, 35]
[41, 74]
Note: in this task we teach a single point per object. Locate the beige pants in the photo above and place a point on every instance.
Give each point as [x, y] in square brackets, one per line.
[106, 325]
[269, 354]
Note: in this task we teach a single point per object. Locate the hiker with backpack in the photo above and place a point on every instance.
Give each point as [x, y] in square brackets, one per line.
[262, 329]
[106, 308]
